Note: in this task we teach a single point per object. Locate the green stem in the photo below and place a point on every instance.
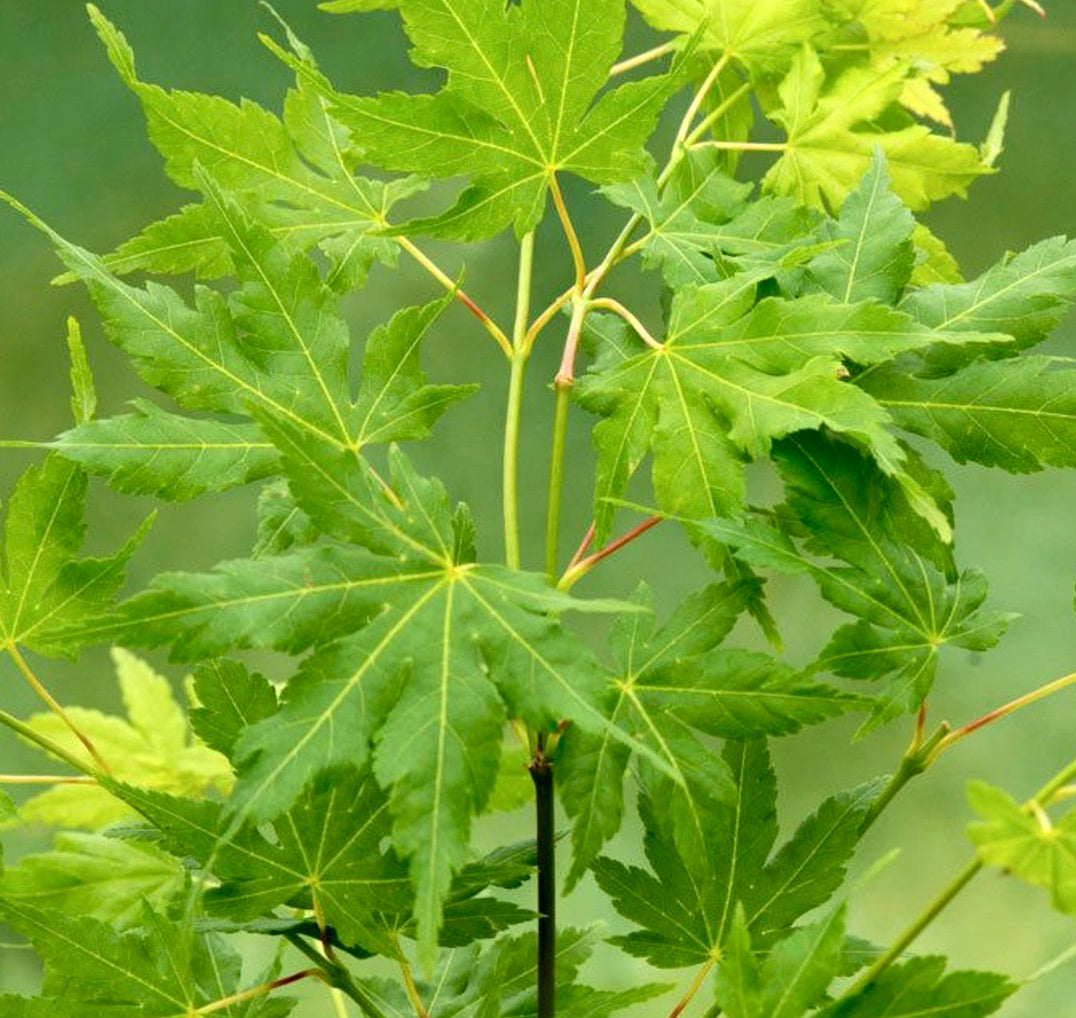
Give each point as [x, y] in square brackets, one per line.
[716, 114]
[1003, 711]
[520, 353]
[337, 976]
[918, 757]
[556, 478]
[1041, 798]
[28, 733]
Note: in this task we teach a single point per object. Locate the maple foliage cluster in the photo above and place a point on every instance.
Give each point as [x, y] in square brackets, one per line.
[809, 320]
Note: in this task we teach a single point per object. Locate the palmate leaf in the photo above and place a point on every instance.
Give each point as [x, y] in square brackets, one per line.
[295, 172]
[1026, 843]
[686, 907]
[45, 590]
[162, 970]
[150, 746]
[452, 650]
[518, 107]
[276, 345]
[733, 375]
[830, 145]
[896, 577]
[760, 34]
[922, 986]
[672, 681]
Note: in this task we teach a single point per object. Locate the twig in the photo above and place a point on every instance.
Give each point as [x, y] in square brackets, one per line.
[608, 304]
[546, 839]
[569, 231]
[642, 58]
[581, 568]
[696, 985]
[55, 706]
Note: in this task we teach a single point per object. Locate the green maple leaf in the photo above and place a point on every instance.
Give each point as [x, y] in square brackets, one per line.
[830, 143]
[702, 222]
[686, 907]
[1026, 295]
[792, 978]
[278, 344]
[732, 375]
[150, 747]
[673, 681]
[97, 876]
[909, 989]
[519, 106]
[452, 650]
[761, 34]
[296, 173]
[877, 257]
[162, 970]
[282, 525]
[1026, 843]
[1019, 414]
[45, 590]
[189, 456]
[894, 574]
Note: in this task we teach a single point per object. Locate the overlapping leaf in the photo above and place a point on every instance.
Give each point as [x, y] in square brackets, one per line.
[96, 876]
[442, 651]
[932, 39]
[277, 345]
[734, 374]
[895, 575]
[672, 682]
[296, 173]
[518, 108]
[160, 971]
[686, 906]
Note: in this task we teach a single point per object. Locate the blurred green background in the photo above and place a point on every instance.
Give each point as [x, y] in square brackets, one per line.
[73, 148]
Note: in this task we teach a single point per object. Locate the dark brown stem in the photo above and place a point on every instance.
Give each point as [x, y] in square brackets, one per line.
[541, 770]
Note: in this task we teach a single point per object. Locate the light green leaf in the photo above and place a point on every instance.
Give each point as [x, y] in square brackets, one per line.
[83, 394]
[1026, 842]
[518, 107]
[150, 747]
[830, 144]
[91, 875]
[161, 971]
